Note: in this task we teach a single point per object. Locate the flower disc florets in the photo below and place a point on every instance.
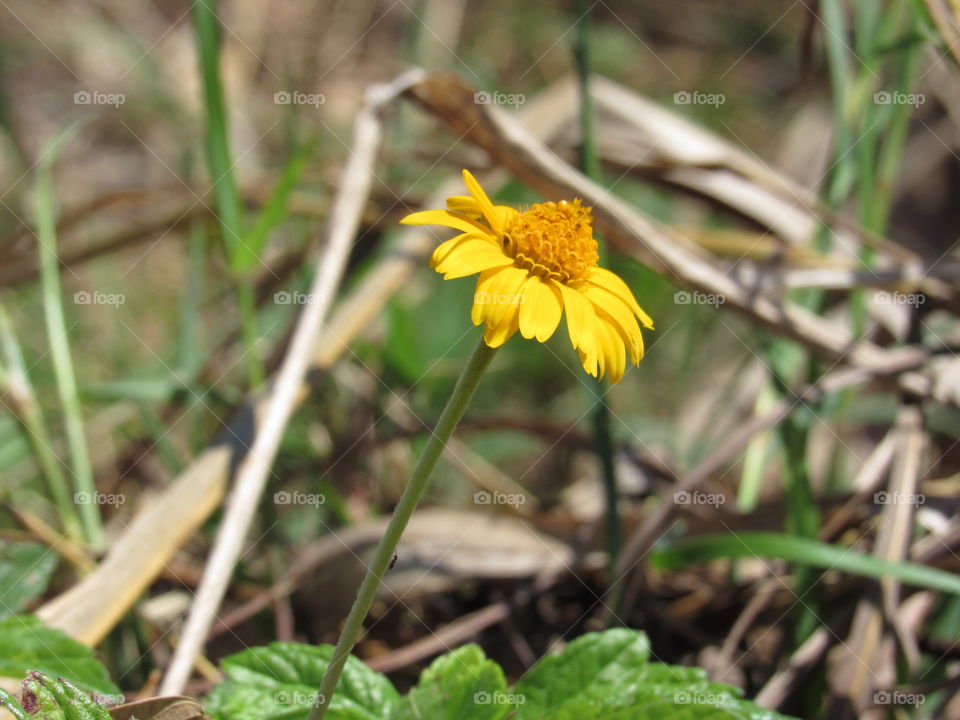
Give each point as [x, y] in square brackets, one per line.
[553, 240]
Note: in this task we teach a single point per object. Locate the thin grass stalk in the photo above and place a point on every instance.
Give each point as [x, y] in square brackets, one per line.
[229, 204]
[80, 465]
[600, 415]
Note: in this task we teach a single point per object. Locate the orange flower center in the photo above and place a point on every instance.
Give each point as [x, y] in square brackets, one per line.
[553, 240]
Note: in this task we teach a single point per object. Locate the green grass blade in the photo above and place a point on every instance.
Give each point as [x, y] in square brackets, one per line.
[801, 550]
[275, 210]
[60, 352]
[229, 205]
[755, 459]
[14, 371]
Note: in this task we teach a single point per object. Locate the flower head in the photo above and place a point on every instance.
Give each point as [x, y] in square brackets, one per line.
[533, 265]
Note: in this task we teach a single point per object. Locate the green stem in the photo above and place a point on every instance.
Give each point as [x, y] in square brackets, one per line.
[456, 406]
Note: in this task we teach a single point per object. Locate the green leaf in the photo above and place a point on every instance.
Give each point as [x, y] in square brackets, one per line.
[25, 570]
[592, 666]
[600, 676]
[280, 680]
[156, 389]
[608, 676]
[461, 684]
[26, 644]
[275, 210]
[803, 550]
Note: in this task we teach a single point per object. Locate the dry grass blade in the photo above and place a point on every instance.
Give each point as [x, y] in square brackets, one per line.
[946, 17]
[806, 657]
[854, 681]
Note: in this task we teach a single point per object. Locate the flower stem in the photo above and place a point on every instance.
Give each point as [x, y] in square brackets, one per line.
[456, 406]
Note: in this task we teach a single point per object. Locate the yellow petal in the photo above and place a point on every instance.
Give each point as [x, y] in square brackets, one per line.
[613, 283]
[497, 335]
[444, 249]
[614, 354]
[504, 214]
[464, 205]
[483, 202]
[457, 221]
[480, 307]
[580, 324]
[470, 255]
[619, 316]
[540, 309]
[590, 362]
[498, 294]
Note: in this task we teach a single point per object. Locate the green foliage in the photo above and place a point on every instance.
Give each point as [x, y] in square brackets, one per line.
[280, 680]
[26, 645]
[25, 570]
[461, 684]
[600, 676]
[43, 698]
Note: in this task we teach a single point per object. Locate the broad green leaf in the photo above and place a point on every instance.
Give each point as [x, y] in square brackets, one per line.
[600, 676]
[607, 676]
[803, 550]
[26, 644]
[279, 681]
[594, 665]
[461, 685]
[25, 570]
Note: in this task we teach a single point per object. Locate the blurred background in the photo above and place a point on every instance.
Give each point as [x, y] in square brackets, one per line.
[143, 172]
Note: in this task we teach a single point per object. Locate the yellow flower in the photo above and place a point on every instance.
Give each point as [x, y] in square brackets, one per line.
[533, 265]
